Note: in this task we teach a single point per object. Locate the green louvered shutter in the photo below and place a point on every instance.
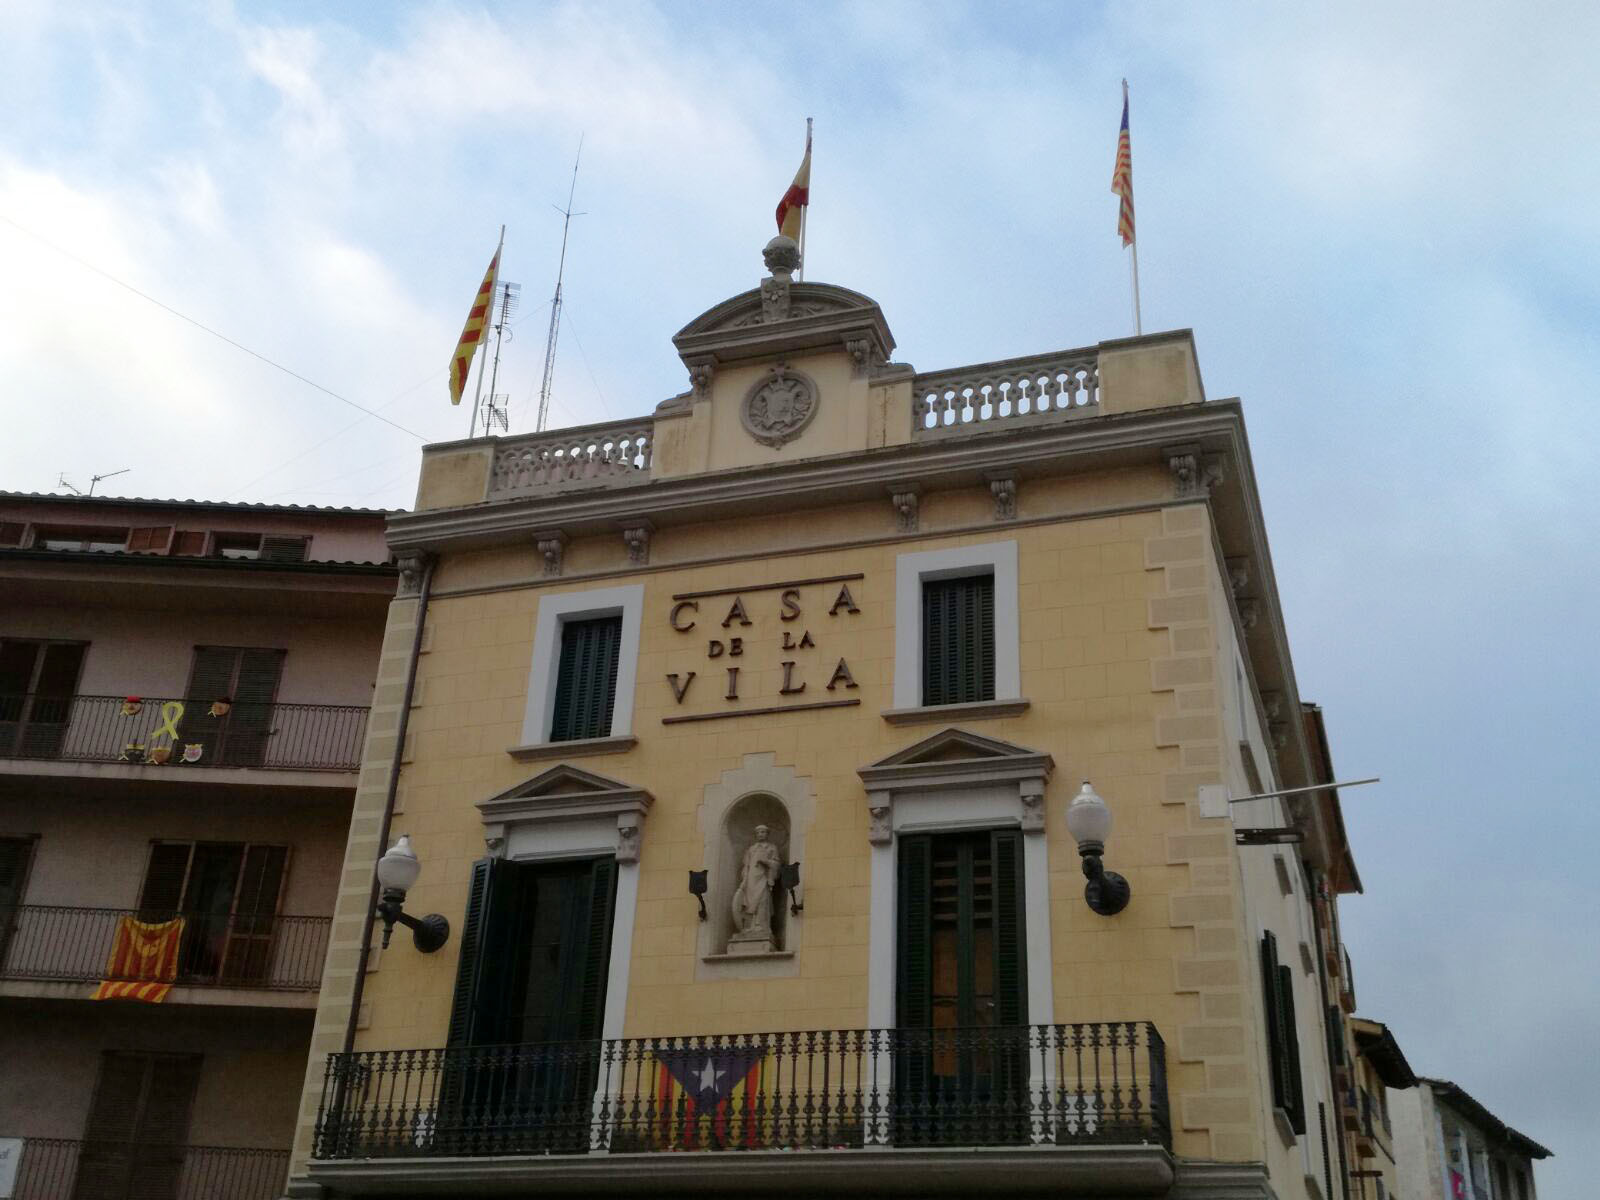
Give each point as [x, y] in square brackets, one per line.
[1293, 1088]
[1274, 1014]
[1010, 929]
[597, 948]
[958, 640]
[480, 1010]
[914, 945]
[586, 679]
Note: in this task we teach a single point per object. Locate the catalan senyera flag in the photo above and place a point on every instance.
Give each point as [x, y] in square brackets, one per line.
[472, 334]
[797, 197]
[710, 1097]
[144, 961]
[1122, 175]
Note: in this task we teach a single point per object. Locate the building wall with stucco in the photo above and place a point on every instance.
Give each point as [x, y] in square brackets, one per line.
[1133, 671]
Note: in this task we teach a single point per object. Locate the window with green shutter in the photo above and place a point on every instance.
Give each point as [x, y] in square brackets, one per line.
[586, 679]
[958, 640]
[1283, 1042]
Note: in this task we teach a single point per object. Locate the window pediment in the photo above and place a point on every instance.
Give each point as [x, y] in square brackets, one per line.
[566, 793]
[957, 759]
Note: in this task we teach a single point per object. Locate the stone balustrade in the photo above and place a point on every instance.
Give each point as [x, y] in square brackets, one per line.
[616, 450]
[1042, 387]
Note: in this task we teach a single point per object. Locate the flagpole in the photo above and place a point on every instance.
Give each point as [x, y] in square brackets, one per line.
[1133, 242]
[1138, 325]
[477, 395]
[805, 208]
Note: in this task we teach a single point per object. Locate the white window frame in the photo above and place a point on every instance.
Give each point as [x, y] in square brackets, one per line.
[957, 562]
[554, 613]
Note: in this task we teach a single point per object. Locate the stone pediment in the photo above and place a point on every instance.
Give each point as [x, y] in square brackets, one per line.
[567, 793]
[783, 318]
[953, 758]
[956, 759]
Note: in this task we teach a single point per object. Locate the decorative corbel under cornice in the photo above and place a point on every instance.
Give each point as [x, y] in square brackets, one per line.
[1238, 574]
[905, 500]
[636, 536]
[1195, 474]
[552, 546]
[1003, 487]
[1249, 613]
[1272, 705]
[411, 566]
[701, 372]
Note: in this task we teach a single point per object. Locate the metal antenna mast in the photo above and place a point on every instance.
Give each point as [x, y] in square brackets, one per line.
[63, 481]
[495, 408]
[555, 304]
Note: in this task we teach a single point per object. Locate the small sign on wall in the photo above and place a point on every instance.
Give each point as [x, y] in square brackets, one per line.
[10, 1159]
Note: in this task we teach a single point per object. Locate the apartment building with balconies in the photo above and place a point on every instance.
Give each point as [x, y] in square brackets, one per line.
[184, 690]
[845, 780]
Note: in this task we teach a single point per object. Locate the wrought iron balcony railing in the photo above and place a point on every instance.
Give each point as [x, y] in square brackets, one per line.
[65, 1169]
[49, 942]
[818, 1090]
[185, 733]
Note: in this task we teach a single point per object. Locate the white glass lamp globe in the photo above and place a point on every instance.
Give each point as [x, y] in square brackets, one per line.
[399, 868]
[1088, 818]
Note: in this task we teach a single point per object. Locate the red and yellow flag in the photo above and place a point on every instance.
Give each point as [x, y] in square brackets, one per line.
[798, 196]
[477, 323]
[1122, 175]
[144, 961]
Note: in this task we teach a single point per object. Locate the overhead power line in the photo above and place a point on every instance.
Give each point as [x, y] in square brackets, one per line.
[104, 274]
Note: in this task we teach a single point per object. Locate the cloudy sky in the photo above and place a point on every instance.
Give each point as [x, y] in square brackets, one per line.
[1380, 224]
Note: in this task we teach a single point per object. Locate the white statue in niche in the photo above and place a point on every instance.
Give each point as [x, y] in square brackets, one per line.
[752, 898]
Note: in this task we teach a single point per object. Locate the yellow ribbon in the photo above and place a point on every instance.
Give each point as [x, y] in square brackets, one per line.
[171, 714]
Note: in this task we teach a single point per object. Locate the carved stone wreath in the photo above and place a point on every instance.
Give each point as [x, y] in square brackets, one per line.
[779, 406]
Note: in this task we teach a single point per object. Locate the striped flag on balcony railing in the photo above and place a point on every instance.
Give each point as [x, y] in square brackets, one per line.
[144, 961]
[709, 1095]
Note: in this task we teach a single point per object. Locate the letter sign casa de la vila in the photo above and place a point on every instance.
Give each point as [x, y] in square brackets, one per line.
[761, 649]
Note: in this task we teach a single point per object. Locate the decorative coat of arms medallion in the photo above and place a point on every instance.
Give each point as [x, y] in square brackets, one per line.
[779, 406]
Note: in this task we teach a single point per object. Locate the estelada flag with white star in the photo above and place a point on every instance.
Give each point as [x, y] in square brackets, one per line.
[477, 323]
[794, 201]
[710, 1097]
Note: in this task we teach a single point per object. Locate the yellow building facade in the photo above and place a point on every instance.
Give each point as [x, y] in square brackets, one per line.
[828, 646]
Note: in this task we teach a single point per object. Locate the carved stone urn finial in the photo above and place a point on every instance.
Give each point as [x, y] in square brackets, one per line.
[782, 256]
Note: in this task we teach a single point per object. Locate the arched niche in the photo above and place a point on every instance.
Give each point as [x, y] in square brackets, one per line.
[757, 792]
[738, 832]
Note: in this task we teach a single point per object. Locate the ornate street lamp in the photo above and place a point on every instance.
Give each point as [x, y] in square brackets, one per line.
[397, 874]
[1089, 823]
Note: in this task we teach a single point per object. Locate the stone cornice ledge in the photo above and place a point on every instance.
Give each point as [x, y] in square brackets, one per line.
[539, 751]
[1089, 1171]
[1108, 440]
[975, 711]
[1221, 1181]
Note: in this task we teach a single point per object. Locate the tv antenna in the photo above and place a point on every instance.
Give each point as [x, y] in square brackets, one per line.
[555, 304]
[63, 481]
[496, 408]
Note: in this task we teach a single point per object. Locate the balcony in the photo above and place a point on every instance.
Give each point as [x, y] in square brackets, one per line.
[179, 734]
[62, 1169]
[48, 944]
[827, 1110]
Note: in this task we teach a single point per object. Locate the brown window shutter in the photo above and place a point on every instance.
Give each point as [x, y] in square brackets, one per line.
[11, 533]
[150, 539]
[284, 549]
[189, 541]
[164, 878]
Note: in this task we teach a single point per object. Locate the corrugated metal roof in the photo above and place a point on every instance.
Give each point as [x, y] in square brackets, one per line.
[231, 505]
